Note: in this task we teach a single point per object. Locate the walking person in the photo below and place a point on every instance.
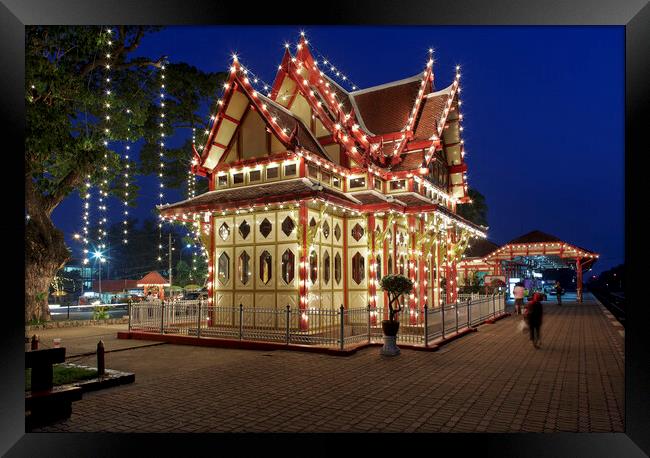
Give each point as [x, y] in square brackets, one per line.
[533, 316]
[558, 292]
[518, 293]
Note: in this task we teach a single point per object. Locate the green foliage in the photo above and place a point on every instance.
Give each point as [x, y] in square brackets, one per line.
[100, 312]
[476, 211]
[396, 286]
[62, 375]
[65, 77]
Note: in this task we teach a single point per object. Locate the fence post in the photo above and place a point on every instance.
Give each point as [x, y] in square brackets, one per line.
[469, 307]
[442, 314]
[426, 325]
[241, 321]
[288, 320]
[128, 307]
[342, 330]
[162, 317]
[456, 307]
[198, 328]
[368, 323]
[494, 303]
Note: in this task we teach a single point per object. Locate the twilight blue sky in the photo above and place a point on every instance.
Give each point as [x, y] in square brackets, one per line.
[543, 113]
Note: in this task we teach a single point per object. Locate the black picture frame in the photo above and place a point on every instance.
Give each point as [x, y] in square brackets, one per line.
[634, 15]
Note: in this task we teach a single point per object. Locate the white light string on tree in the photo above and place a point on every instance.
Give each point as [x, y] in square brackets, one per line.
[127, 167]
[103, 177]
[161, 164]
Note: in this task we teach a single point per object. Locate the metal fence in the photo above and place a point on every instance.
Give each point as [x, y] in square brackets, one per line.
[330, 328]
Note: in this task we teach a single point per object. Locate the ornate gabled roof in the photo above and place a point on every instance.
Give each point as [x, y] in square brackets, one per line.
[431, 113]
[385, 108]
[535, 237]
[153, 278]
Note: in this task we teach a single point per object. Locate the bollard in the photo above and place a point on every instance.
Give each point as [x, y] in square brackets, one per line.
[456, 307]
[426, 325]
[442, 315]
[68, 310]
[162, 317]
[198, 324]
[342, 327]
[241, 321]
[288, 322]
[34, 342]
[100, 358]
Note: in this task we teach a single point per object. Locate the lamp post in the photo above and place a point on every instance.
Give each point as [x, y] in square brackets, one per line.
[98, 254]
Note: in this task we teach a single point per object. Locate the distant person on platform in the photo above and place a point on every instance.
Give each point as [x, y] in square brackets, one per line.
[558, 292]
[533, 316]
[518, 293]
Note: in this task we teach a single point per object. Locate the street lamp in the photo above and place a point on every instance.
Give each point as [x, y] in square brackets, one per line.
[99, 255]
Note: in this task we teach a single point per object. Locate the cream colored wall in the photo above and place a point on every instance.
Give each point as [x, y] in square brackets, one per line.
[275, 295]
[253, 136]
[300, 107]
[357, 292]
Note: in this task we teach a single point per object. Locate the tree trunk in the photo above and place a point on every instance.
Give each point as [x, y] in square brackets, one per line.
[45, 254]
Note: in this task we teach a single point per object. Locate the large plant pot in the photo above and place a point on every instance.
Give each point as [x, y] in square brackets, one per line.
[390, 329]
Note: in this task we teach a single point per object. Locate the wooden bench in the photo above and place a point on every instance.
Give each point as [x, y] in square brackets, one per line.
[46, 403]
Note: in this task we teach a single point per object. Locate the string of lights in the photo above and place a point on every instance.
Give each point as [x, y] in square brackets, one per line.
[161, 165]
[103, 183]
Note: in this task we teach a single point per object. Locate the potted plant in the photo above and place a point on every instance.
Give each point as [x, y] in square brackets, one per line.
[395, 286]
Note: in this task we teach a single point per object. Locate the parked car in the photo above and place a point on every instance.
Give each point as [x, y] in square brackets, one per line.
[195, 295]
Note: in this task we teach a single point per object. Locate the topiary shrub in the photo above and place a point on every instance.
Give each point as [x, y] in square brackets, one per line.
[395, 286]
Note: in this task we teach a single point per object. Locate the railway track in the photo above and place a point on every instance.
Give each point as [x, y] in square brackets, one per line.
[613, 302]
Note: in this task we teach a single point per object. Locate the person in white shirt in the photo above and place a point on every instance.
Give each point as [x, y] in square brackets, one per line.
[518, 292]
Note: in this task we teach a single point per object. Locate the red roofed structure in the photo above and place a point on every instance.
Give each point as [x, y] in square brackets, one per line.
[316, 192]
[153, 280]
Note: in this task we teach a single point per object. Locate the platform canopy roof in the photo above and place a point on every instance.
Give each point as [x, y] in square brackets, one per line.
[153, 279]
[543, 251]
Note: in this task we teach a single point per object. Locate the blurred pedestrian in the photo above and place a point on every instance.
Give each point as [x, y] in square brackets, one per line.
[518, 293]
[533, 316]
[558, 292]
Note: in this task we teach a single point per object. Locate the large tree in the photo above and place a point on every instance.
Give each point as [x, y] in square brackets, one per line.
[67, 103]
[475, 211]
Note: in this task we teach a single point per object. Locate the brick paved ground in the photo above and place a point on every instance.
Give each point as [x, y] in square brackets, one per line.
[489, 381]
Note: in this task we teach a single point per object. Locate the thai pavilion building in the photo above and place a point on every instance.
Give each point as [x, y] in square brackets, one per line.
[315, 192]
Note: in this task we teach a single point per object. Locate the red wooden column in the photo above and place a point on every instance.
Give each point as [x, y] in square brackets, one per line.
[412, 271]
[436, 281]
[372, 276]
[451, 280]
[579, 280]
[422, 276]
[303, 274]
[386, 250]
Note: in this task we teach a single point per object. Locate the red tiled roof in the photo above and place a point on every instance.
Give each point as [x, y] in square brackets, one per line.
[386, 109]
[341, 94]
[430, 114]
[410, 161]
[368, 198]
[152, 278]
[286, 190]
[303, 135]
[541, 237]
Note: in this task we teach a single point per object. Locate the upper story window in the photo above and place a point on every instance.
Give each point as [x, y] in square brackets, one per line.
[222, 180]
[325, 176]
[271, 173]
[254, 175]
[312, 171]
[359, 182]
[336, 181]
[290, 170]
[378, 184]
[237, 178]
[397, 185]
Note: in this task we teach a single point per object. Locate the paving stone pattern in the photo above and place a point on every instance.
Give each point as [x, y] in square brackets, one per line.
[493, 380]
